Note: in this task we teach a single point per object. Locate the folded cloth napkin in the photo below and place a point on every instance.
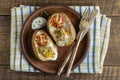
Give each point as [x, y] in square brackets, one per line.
[99, 38]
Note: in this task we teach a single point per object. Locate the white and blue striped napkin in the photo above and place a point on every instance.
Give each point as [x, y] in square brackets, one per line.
[99, 37]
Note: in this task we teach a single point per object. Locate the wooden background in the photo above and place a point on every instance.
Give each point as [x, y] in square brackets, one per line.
[112, 62]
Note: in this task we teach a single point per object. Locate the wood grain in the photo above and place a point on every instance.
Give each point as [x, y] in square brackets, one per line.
[112, 60]
[113, 54]
[109, 73]
[5, 40]
[108, 4]
[109, 7]
[116, 8]
[101, 4]
[5, 7]
[5, 24]
[4, 49]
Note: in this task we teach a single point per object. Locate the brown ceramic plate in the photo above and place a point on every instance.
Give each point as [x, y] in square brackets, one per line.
[52, 66]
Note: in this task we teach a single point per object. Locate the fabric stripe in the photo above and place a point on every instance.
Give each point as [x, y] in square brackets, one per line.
[104, 37]
[88, 51]
[21, 52]
[36, 8]
[35, 70]
[15, 37]
[94, 37]
[103, 47]
[17, 41]
[101, 22]
[80, 10]
[30, 10]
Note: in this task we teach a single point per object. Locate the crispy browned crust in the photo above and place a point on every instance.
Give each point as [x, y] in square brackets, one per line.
[71, 28]
[35, 48]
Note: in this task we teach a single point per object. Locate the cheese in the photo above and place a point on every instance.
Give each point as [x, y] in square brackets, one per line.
[45, 52]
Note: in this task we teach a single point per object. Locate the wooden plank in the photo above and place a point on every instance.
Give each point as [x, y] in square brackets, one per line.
[4, 49]
[5, 7]
[105, 5]
[116, 8]
[109, 73]
[5, 40]
[113, 54]
[101, 4]
[108, 4]
[90, 2]
[109, 7]
[5, 24]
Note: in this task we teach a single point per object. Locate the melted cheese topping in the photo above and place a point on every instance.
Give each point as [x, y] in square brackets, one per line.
[60, 35]
[48, 51]
[62, 39]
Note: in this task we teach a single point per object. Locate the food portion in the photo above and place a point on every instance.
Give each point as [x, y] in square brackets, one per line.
[61, 29]
[43, 47]
[38, 23]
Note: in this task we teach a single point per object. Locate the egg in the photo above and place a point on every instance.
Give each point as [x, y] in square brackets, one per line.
[43, 46]
[39, 22]
[61, 29]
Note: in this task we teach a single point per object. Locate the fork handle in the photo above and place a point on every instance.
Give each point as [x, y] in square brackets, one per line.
[74, 54]
[64, 64]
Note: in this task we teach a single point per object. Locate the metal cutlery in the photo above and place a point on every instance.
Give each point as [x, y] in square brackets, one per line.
[87, 19]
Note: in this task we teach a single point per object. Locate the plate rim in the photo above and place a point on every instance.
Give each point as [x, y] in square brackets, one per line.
[22, 42]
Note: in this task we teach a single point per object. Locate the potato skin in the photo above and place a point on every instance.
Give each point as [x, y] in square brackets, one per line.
[70, 28]
[35, 49]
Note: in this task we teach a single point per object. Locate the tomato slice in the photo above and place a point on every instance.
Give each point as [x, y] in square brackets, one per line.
[41, 39]
[57, 21]
[39, 44]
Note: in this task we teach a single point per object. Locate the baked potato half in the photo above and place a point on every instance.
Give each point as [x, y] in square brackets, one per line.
[43, 47]
[61, 29]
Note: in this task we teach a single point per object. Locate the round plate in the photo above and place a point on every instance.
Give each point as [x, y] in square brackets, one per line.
[52, 66]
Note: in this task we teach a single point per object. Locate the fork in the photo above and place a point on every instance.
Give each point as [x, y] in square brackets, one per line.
[90, 19]
[84, 27]
[85, 22]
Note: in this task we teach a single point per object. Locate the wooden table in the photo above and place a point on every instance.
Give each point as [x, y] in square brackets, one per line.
[112, 61]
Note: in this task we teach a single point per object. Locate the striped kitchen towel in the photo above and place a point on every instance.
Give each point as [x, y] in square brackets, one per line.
[99, 37]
